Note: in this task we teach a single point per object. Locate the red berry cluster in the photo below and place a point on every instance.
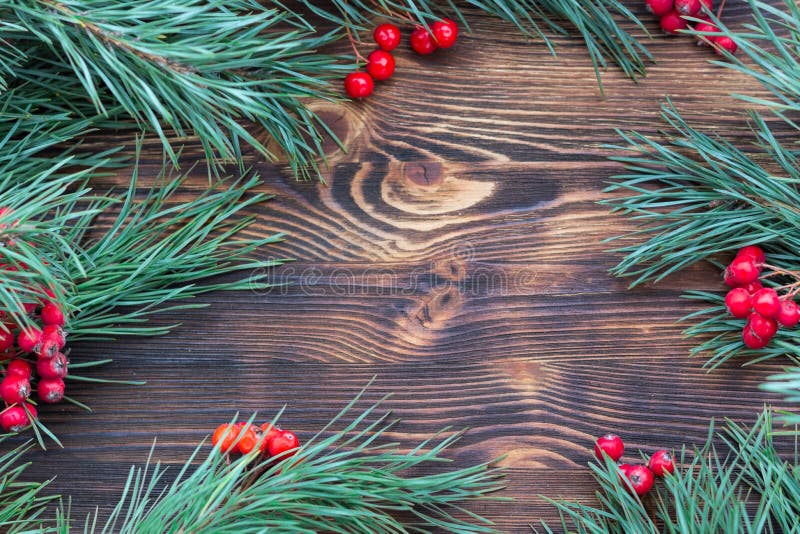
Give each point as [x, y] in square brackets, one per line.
[41, 340]
[640, 476]
[244, 438]
[672, 12]
[380, 62]
[763, 308]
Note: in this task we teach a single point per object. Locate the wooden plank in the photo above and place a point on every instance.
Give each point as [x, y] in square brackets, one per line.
[457, 254]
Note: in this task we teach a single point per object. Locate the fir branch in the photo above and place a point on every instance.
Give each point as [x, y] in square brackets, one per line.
[343, 481]
[596, 21]
[747, 488]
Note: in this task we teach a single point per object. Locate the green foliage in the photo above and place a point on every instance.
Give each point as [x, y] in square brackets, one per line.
[596, 21]
[747, 488]
[342, 480]
[21, 503]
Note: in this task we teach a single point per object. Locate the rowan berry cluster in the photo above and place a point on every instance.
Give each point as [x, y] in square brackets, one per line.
[244, 438]
[380, 62]
[640, 477]
[41, 340]
[764, 309]
[671, 15]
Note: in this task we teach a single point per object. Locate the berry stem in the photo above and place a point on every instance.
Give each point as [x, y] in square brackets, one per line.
[353, 44]
[721, 7]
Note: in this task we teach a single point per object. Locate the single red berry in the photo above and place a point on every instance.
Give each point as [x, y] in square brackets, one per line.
[224, 436]
[641, 479]
[672, 22]
[380, 65]
[249, 439]
[268, 432]
[707, 27]
[285, 441]
[387, 36]
[751, 340]
[688, 7]
[29, 339]
[743, 271]
[55, 367]
[724, 44]
[52, 314]
[14, 389]
[763, 327]
[422, 42]
[659, 8]
[47, 348]
[358, 85]
[766, 302]
[56, 333]
[752, 287]
[661, 462]
[13, 419]
[738, 302]
[610, 444]
[50, 390]
[19, 368]
[789, 314]
[445, 33]
[6, 339]
[754, 253]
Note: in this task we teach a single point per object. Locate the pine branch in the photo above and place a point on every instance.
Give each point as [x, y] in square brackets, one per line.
[747, 488]
[21, 503]
[596, 21]
[344, 481]
[194, 66]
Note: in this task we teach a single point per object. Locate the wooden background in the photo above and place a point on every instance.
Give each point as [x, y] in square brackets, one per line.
[456, 253]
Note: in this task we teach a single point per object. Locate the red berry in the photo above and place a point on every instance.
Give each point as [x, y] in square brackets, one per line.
[6, 339]
[30, 307]
[47, 348]
[743, 271]
[708, 27]
[268, 432]
[738, 302]
[789, 314]
[249, 439]
[358, 85]
[610, 444]
[752, 287]
[380, 65]
[52, 314]
[688, 7]
[225, 436]
[766, 302]
[387, 36]
[29, 339]
[282, 442]
[14, 419]
[14, 389]
[751, 340]
[50, 390]
[56, 333]
[422, 42]
[659, 8]
[762, 327]
[728, 277]
[724, 44]
[55, 367]
[19, 368]
[641, 479]
[661, 462]
[445, 33]
[672, 22]
[752, 252]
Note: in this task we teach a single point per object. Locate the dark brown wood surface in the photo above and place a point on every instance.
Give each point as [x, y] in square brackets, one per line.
[455, 253]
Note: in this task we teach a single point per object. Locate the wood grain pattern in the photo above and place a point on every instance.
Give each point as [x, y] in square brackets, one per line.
[455, 253]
